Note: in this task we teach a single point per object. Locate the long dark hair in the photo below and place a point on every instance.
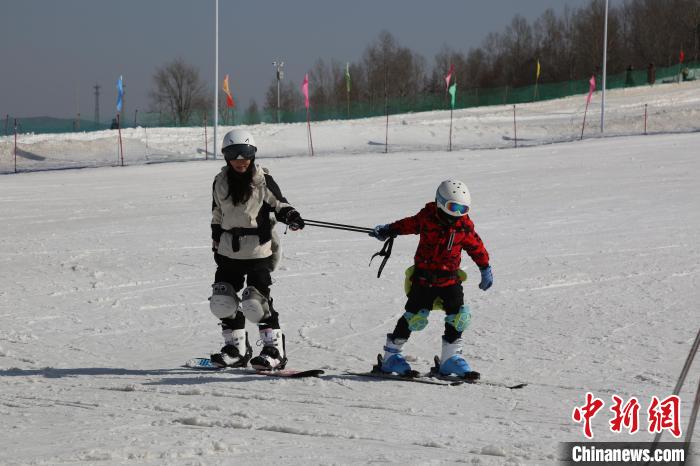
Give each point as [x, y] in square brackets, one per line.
[240, 185]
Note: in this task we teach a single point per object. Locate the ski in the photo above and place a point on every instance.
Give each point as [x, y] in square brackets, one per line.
[435, 374]
[291, 373]
[412, 376]
[400, 378]
[207, 364]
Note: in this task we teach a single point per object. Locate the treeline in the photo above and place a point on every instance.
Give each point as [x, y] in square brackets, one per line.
[568, 46]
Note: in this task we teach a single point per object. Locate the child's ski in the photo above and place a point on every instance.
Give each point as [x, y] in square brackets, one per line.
[435, 374]
[412, 376]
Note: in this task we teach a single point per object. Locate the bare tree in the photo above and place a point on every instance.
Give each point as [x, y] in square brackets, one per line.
[656, 30]
[392, 69]
[179, 91]
[252, 114]
[291, 100]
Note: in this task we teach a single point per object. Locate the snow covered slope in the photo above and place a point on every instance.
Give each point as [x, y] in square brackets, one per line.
[105, 276]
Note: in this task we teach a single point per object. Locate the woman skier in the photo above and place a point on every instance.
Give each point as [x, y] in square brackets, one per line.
[445, 230]
[245, 198]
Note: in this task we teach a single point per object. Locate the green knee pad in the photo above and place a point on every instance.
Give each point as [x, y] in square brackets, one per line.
[418, 320]
[460, 321]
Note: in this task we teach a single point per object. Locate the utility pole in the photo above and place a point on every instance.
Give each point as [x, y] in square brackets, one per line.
[280, 74]
[216, 75]
[97, 105]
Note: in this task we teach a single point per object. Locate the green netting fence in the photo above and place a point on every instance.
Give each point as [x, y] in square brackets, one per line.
[466, 98]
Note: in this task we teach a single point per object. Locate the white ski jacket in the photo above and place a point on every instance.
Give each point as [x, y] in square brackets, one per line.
[245, 231]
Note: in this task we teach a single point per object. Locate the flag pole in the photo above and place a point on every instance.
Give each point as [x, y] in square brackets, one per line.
[451, 110]
[305, 90]
[584, 120]
[206, 151]
[452, 90]
[386, 109]
[347, 85]
[308, 124]
[15, 152]
[605, 71]
[515, 129]
[121, 146]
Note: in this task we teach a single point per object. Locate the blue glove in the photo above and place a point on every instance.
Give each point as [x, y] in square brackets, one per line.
[486, 278]
[382, 232]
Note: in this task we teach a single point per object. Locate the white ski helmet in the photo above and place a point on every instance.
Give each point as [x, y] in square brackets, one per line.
[238, 144]
[453, 198]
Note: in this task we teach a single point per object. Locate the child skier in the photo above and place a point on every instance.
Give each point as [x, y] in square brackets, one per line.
[445, 230]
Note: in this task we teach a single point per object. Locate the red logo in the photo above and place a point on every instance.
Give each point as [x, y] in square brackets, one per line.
[665, 415]
[586, 413]
[661, 415]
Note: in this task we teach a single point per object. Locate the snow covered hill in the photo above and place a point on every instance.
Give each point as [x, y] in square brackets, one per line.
[106, 272]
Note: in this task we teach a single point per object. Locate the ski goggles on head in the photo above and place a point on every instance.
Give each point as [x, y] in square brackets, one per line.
[452, 206]
[239, 152]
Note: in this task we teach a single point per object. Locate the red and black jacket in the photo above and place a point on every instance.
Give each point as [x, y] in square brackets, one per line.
[439, 252]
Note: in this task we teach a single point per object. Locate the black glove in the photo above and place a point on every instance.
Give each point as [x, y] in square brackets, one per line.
[294, 220]
[382, 232]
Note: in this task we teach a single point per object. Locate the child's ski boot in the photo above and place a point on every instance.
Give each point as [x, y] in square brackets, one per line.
[453, 363]
[393, 361]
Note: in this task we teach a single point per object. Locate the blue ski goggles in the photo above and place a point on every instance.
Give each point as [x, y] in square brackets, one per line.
[452, 206]
[456, 207]
[239, 151]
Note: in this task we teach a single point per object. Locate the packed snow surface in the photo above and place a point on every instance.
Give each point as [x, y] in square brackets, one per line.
[105, 272]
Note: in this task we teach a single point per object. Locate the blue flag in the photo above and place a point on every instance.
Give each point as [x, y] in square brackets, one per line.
[120, 94]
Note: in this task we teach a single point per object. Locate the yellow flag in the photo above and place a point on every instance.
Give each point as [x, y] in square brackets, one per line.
[538, 70]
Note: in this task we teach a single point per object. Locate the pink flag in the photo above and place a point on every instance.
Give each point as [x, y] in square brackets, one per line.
[305, 90]
[591, 82]
[449, 76]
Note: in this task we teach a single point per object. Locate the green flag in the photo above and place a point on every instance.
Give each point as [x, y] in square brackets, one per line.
[347, 76]
[453, 92]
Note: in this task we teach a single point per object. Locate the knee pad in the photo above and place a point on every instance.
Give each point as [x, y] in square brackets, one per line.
[224, 301]
[254, 305]
[460, 321]
[417, 320]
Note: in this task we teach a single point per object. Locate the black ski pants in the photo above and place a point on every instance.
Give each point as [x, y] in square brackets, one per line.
[252, 272]
[422, 297]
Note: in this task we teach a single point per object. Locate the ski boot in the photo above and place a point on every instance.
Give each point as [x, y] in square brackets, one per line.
[452, 361]
[393, 361]
[236, 351]
[273, 355]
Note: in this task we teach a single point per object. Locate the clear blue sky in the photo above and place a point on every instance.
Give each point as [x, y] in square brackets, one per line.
[54, 51]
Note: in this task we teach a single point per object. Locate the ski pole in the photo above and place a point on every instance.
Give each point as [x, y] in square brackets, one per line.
[385, 252]
[337, 226]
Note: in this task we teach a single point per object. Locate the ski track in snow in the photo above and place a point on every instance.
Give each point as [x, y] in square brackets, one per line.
[106, 274]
